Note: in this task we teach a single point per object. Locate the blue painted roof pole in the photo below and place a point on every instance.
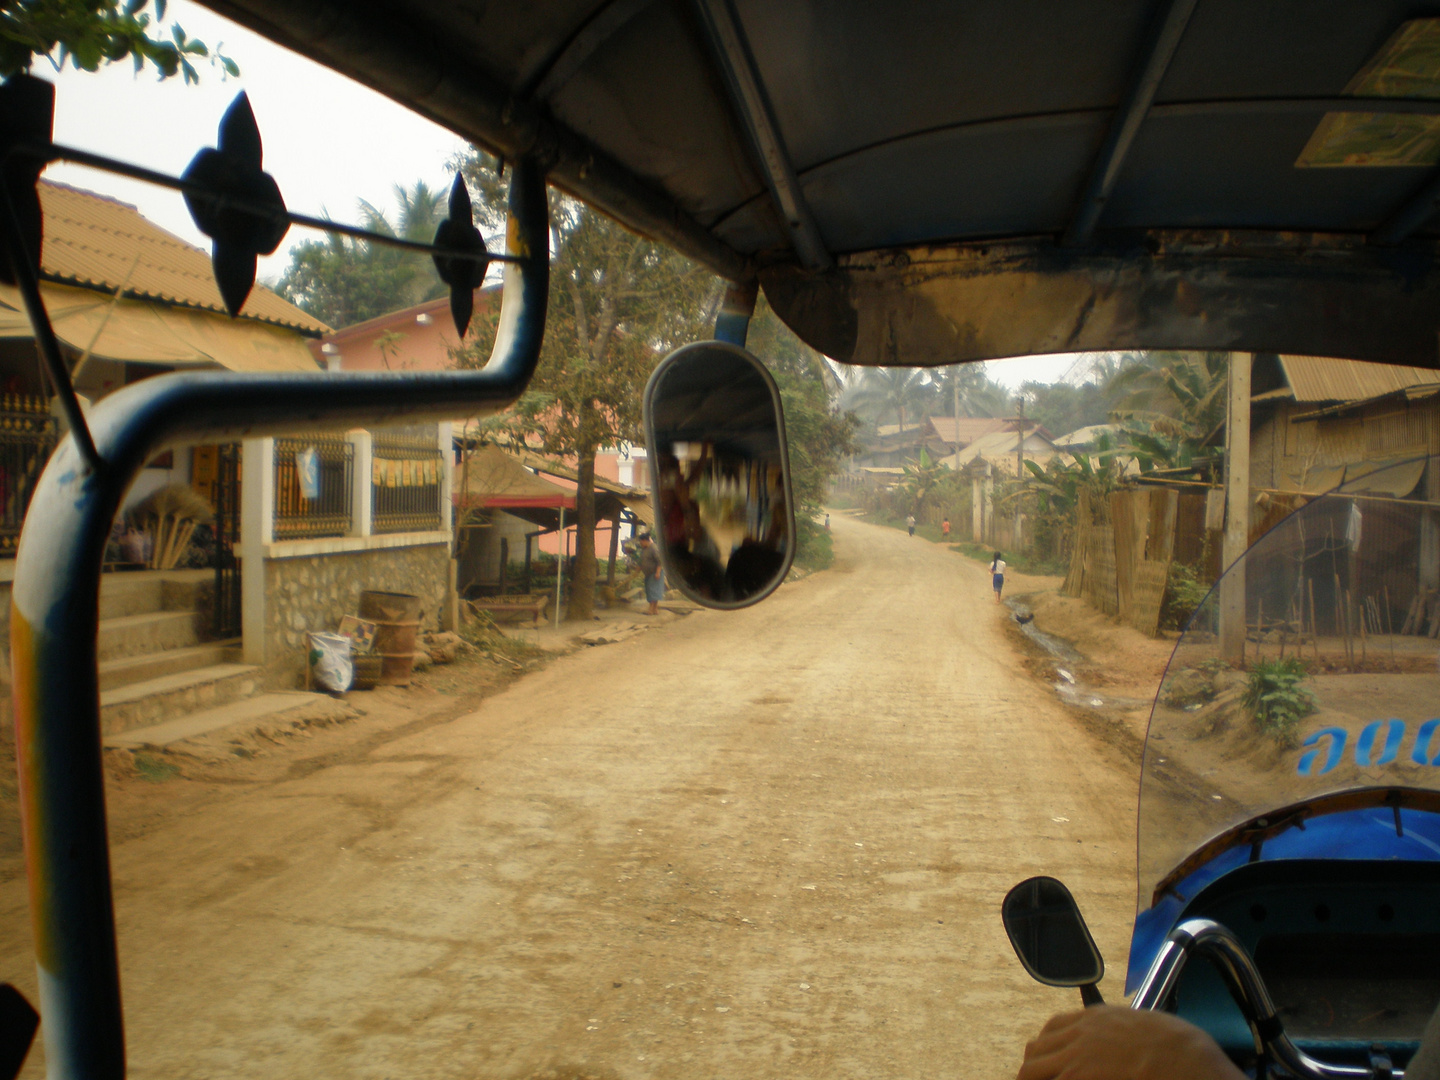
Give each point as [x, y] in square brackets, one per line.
[55, 608]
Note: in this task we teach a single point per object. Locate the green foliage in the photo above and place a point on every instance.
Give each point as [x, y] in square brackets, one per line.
[618, 304]
[342, 281]
[1018, 561]
[923, 478]
[155, 768]
[910, 396]
[820, 436]
[814, 547]
[1061, 408]
[89, 33]
[1185, 590]
[883, 392]
[1275, 697]
[1168, 403]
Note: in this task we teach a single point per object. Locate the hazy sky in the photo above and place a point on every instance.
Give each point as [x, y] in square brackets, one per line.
[329, 142]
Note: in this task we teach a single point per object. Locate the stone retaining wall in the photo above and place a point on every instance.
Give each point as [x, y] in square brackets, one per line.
[311, 593]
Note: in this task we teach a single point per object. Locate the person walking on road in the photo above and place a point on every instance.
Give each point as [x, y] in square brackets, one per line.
[910, 524]
[997, 574]
[652, 572]
[945, 528]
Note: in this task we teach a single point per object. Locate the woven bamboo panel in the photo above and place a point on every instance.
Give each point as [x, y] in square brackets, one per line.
[1147, 595]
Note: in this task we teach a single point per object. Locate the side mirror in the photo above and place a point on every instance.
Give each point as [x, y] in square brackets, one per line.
[1050, 937]
[719, 474]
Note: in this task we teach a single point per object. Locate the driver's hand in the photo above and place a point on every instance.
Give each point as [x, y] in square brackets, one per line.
[1110, 1042]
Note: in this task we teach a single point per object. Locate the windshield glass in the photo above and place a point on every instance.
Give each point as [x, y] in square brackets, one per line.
[1309, 670]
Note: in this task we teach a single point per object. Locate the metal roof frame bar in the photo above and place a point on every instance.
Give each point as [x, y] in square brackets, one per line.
[750, 101]
[1166, 30]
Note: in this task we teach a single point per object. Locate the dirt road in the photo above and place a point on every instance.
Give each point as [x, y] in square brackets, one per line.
[768, 843]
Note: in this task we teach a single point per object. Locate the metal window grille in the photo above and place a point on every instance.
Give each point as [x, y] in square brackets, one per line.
[28, 434]
[297, 517]
[405, 483]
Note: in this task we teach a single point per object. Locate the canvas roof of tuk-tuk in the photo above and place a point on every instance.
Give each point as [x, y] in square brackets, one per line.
[947, 180]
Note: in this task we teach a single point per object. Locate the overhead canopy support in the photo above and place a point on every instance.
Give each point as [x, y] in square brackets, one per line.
[1166, 31]
[747, 95]
[556, 72]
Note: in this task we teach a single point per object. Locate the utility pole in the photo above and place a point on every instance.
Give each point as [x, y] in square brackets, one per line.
[1019, 463]
[955, 391]
[1020, 442]
[1237, 510]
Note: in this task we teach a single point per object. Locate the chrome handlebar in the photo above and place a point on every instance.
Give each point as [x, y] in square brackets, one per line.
[1243, 978]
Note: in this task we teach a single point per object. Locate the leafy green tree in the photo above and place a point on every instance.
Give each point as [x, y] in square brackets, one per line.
[618, 303]
[977, 393]
[90, 33]
[342, 281]
[892, 391]
[1177, 394]
[819, 433]
[1062, 408]
[923, 478]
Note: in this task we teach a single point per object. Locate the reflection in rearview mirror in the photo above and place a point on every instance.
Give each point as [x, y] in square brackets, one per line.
[719, 474]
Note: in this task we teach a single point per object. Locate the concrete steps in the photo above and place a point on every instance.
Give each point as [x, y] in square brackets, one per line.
[247, 713]
[133, 669]
[154, 701]
[150, 632]
[156, 664]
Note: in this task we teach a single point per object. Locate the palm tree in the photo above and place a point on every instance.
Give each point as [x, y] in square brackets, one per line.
[978, 395]
[1180, 395]
[886, 390]
[421, 209]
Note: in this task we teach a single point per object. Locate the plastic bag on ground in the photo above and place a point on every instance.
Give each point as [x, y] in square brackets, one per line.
[331, 667]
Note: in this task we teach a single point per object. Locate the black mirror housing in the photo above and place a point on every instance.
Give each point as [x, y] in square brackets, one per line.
[1049, 934]
[719, 474]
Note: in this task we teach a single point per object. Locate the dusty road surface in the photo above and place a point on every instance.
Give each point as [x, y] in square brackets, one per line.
[768, 843]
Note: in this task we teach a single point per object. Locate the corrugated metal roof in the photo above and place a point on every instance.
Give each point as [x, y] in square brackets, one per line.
[1319, 378]
[101, 243]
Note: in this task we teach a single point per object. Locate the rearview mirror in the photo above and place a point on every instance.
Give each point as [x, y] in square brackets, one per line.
[719, 474]
[1050, 936]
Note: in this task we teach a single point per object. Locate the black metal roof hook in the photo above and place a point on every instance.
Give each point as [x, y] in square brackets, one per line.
[27, 115]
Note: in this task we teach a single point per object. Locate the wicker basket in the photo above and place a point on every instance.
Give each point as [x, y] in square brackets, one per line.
[367, 671]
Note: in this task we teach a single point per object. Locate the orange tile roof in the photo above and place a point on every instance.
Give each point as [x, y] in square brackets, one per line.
[101, 243]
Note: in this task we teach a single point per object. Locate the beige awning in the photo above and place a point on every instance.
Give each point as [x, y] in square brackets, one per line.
[138, 332]
[1397, 477]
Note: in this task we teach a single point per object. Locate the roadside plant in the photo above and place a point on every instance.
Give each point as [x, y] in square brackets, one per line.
[1276, 698]
[1185, 590]
[922, 477]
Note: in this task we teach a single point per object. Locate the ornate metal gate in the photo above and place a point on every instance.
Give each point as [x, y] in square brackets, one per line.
[227, 539]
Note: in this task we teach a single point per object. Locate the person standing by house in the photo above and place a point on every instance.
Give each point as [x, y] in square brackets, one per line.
[945, 528]
[997, 574]
[652, 572]
[910, 524]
